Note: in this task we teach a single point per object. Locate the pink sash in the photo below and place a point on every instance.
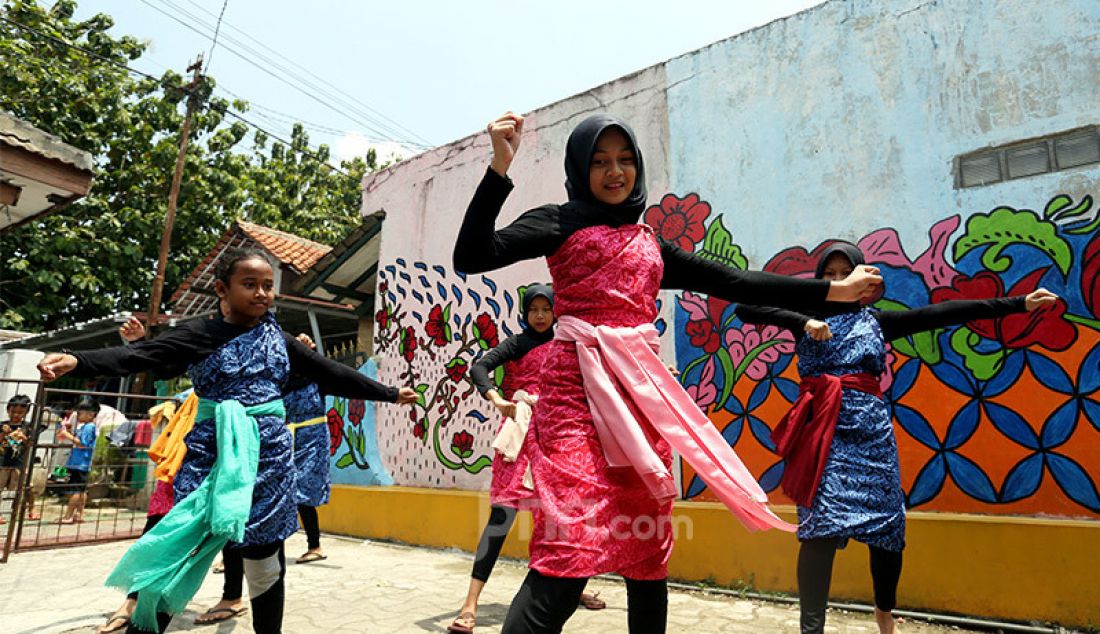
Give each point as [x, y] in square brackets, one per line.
[618, 362]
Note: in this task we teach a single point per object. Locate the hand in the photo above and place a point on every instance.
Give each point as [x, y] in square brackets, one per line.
[863, 282]
[132, 330]
[506, 408]
[1038, 298]
[505, 135]
[407, 396]
[818, 330]
[306, 341]
[55, 365]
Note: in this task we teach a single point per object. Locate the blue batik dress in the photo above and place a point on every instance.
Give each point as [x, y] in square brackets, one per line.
[311, 445]
[860, 495]
[252, 369]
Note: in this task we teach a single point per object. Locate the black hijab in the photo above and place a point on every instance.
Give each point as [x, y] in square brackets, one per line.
[535, 337]
[855, 256]
[578, 159]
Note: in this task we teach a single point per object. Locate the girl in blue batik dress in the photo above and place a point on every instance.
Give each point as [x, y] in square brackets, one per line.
[237, 482]
[838, 441]
[305, 412]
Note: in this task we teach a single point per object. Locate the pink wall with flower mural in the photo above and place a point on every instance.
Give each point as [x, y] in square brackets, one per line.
[995, 417]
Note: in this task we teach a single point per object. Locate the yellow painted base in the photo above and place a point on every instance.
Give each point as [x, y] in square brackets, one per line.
[1012, 568]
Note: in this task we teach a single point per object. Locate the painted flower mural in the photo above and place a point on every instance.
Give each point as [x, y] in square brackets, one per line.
[1027, 384]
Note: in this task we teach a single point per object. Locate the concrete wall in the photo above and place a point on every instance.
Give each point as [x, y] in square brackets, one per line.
[843, 121]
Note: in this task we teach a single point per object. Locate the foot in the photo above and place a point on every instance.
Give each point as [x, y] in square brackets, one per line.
[218, 567]
[313, 554]
[33, 516]
[120, 620]
[592, 601]
[465, 623]
[222, 611]
[886, 623]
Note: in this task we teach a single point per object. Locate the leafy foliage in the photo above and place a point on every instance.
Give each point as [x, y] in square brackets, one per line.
[99, 254]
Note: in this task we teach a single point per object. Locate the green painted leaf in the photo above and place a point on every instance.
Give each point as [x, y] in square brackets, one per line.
[729, 373]
[345, 461]
[498, 376]
[718, 246]
[1004, 227]
[478, 465]
[983, 365]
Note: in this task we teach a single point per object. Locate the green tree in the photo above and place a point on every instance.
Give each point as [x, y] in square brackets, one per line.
[99, 255]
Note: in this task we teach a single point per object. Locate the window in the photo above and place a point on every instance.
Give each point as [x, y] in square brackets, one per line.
[1079, 148]
[1027, 160]
[1020, 160]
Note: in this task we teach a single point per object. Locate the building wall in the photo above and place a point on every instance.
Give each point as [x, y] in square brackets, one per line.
[841, 122]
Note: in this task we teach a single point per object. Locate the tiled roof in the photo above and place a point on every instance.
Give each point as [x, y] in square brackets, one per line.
[195, 294]
[289, 248]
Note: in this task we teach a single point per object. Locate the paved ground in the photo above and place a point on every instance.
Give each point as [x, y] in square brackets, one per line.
[367, 587]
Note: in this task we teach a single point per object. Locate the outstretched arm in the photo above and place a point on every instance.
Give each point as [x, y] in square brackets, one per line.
[902, 323]
[687, 271]
[796, 322]
[165, 356]
[338, 379]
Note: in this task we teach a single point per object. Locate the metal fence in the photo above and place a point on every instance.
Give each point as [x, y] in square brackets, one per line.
[44, 509]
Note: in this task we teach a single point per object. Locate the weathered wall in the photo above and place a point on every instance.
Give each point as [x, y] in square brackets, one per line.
[840, 122]
[843, 121]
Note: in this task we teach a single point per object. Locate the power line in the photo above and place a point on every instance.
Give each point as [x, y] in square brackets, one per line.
[319, 78]
[139, 73]
[217, 29]
[348, 109]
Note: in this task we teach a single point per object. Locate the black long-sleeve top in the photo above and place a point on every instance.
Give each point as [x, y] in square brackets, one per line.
[511, 349]
[171, 352]
[897, 323]
[541, 231]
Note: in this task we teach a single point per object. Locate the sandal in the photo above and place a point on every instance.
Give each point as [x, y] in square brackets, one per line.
[218, 568]
[592, 601]
[218, 615]
[464, 624]
[310, 557]
[123, 625]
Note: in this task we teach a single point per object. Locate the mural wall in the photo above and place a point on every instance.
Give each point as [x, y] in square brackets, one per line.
[843, 121]
[990, 416]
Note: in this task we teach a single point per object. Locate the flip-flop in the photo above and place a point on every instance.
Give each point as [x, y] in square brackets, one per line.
[464, 624]
[593, 602]
[310, 557]
[124, 624]
[213, 616]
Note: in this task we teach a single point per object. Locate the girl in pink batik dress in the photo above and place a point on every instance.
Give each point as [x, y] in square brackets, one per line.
[609, 413]
[522, 356]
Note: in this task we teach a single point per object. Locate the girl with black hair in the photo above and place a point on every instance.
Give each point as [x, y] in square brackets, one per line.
[522, 356]
[838, 442]
[236, 482]
[609, 412]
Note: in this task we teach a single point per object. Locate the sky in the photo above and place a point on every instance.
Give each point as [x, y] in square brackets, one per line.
[403, 75]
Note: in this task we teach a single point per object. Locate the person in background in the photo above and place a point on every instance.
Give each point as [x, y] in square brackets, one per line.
[13, 439]
[80, 460]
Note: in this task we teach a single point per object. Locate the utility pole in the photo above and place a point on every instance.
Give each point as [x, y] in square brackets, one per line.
[173, 195]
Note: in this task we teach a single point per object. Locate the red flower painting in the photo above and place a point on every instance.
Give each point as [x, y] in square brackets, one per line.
[679, 220]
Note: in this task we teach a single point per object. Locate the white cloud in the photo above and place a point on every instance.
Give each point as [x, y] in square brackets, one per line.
[354, 144]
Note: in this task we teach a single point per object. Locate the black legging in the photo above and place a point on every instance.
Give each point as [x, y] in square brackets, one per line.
[815, 572]
[265, 568]
[309, 523]
[233, 571]
[543, 605]
[496, 530]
